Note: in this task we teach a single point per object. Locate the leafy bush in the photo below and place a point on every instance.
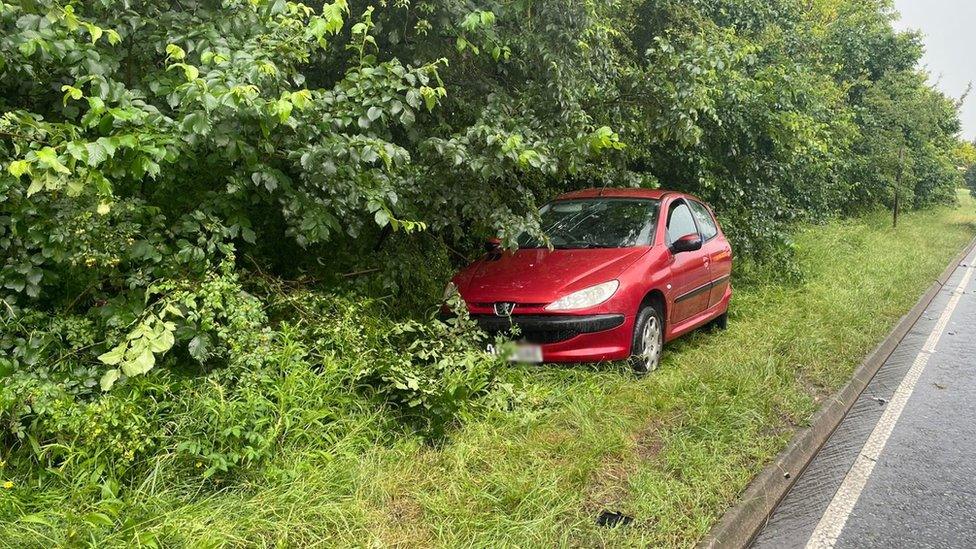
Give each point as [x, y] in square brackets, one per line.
[437, 373]
[431, 372]
[301, 376]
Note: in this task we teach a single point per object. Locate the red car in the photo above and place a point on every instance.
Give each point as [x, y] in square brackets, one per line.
[628, 270]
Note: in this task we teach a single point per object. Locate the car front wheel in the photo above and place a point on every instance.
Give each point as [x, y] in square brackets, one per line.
[648, 341]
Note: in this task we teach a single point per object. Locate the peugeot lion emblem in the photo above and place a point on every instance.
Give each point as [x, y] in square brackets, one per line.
[504, 309]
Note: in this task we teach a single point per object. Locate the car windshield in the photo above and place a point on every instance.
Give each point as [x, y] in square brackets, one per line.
[596, 223]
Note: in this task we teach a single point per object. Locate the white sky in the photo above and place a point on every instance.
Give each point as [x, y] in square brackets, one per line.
[949, 27]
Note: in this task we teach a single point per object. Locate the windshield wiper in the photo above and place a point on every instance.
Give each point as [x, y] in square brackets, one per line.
[584, 246]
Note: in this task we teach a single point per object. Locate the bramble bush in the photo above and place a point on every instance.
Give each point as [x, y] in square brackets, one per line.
[225, 224]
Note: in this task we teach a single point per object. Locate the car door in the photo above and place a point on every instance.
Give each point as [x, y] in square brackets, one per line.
[690, 277]
[716, 248]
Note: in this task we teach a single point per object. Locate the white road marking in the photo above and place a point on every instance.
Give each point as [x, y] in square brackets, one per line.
[835, 517]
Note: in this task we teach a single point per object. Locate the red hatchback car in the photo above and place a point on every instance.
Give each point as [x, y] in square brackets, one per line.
[627, 271]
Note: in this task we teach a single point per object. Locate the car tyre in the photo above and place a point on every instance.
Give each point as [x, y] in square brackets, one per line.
[721, 322]
[648, 341]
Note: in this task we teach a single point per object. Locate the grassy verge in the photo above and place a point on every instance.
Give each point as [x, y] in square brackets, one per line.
[673, 449]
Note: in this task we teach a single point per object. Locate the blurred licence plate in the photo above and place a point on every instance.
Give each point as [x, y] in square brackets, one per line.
[526, 353]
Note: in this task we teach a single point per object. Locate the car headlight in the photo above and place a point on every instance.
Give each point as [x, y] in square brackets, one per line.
[449, 290]
[586, 298]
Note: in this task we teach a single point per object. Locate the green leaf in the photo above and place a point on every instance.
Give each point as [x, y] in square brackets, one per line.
[301, 98]
[141, 364]
[96, 154]
[96, 518]
[471, 21]
[94, 30]
[35, 186]
[407, 118]
[18, 168]
[98, 181]
[110, 144]
[199, 348]
[75, 186]
[77, 151]
[109, 378]
[413, 98]
[374, 112]
[114, 356]
[162, 343]
[28, 48]
[189, 71]
[196, 122]
[36, 518]
[318, 26]
[284, 110]
[49, 158]
[175, 52]
[70, 92]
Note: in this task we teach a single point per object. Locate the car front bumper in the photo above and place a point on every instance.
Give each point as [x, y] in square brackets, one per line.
[569, 338]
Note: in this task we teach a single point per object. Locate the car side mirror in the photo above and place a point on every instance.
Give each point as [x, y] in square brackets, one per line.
[493, 245]
[687, 243]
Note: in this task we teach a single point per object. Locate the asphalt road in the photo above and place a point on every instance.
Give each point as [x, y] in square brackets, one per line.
[900, 471]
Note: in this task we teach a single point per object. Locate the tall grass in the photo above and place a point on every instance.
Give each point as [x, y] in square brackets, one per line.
[673, 449]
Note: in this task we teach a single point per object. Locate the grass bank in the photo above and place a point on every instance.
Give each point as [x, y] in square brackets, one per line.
[673, 450]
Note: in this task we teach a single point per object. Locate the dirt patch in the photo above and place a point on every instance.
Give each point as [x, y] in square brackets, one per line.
[404, 509]
[608, 489]
[401, 524]
[815, 390]
[648, 443]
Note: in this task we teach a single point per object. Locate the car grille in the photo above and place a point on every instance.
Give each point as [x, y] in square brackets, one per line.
[543, 330]
[540, 337]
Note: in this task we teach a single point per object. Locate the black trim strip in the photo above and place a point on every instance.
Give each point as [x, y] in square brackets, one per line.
[550, 323]
[548, 329]
[701, 289]
[720, 280]
[694, 293]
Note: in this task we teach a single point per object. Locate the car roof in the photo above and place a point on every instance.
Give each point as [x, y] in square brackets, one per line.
[654, 194]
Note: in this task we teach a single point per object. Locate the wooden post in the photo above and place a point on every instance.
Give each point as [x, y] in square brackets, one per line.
[894, 222]
[901, 168]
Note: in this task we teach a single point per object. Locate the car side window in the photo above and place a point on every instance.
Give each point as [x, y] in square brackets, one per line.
[705, 221]
[680, 222]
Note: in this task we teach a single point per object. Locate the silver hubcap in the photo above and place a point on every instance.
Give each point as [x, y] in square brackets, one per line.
[651, 343]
